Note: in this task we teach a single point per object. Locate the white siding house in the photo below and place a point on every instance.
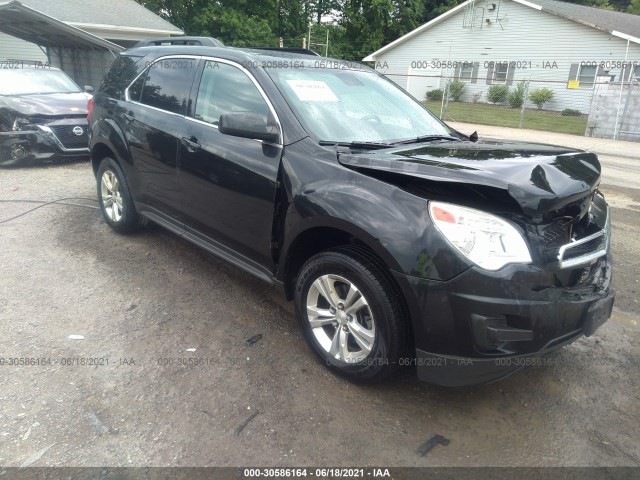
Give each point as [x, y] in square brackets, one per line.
[14, 48]
[546, 42]
[121, 22]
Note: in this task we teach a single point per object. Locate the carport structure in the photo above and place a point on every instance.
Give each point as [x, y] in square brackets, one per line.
[83, 56]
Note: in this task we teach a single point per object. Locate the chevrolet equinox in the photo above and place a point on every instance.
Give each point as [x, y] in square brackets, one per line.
[400, 240]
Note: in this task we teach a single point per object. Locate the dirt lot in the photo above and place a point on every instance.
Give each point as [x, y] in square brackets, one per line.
[153, 296]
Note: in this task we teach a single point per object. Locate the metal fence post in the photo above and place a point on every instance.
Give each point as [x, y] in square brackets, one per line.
[524, 103]
[446, 102]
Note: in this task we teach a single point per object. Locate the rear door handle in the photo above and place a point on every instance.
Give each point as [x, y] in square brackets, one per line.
[191, 144]
[129, 116]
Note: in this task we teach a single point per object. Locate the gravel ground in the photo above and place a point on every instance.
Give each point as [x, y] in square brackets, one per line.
[137, 299]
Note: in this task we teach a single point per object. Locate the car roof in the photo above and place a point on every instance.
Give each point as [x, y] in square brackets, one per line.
[245, 54]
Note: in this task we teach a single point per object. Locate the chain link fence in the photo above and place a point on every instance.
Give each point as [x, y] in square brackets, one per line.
[600, 108]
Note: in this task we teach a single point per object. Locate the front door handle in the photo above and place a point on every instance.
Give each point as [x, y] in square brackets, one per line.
[129, 116]
[191, 144]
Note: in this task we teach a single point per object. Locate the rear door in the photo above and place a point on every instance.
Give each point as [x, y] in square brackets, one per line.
[229, 183]
[154, 119]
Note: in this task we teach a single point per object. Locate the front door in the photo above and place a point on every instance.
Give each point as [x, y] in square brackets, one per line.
[229, 183]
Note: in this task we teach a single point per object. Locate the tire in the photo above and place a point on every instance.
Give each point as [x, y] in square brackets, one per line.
[351, 315]
[115, 199]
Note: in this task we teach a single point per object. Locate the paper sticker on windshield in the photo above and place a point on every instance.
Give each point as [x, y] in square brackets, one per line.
[312, 91]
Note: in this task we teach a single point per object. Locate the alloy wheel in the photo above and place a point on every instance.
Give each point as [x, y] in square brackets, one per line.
[111, 196]
[340, 318]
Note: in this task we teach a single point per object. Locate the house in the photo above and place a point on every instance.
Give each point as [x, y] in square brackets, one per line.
[568, 48]
[79, 36]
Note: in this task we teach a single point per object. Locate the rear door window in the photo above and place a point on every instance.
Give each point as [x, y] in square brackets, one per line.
[167, 84]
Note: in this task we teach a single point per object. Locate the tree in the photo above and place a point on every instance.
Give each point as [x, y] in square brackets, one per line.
[434, 8]
[369, 24]
[237, 22]
[320, 8]
[634, 7]
[178, 12]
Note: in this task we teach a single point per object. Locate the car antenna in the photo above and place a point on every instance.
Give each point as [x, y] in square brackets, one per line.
[474, 136]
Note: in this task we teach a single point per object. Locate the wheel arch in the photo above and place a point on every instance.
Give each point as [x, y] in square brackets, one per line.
[98, 152]
[108, 140]
[323, 236]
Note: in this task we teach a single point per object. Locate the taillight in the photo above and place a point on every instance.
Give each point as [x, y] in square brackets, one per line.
[89, 109]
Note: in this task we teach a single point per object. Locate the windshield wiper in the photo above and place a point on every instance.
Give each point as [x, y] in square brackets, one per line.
[427, 138]
[363, 145]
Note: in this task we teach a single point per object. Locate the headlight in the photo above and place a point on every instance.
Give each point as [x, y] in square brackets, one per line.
[487, 240]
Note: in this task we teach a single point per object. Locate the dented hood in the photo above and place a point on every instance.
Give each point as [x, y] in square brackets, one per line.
[541, 178]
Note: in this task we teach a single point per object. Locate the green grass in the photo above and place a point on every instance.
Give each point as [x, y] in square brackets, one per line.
[503, 116]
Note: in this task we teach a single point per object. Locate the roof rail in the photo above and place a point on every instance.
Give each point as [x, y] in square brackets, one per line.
[201, 41]
[302, 51]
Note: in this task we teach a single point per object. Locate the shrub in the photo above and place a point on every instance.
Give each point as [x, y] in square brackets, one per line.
[455, 90]
[570, 112]
[434, 94]
[516, 98]
[476, 97]
[541, 96]
[498, 93]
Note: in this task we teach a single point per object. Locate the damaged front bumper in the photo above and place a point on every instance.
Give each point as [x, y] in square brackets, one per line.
[482, 326]
[53, 142]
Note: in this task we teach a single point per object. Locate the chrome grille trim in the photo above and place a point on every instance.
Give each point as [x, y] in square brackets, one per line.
[49, 133]
[590, 257]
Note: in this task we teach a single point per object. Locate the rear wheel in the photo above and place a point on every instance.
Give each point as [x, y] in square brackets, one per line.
[115, 199]
[351, 315]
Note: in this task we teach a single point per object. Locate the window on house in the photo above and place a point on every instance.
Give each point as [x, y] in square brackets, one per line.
[587, 75]
[501, 72]
[466, 72]
[630, 73]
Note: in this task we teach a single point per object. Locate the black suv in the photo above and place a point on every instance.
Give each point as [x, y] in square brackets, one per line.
[401, 241]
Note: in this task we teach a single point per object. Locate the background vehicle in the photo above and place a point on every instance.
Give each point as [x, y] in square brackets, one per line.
[401, 241]
[43, 115]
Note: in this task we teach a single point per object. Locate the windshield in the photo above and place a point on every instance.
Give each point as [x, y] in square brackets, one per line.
[354, 106]
[31, 81]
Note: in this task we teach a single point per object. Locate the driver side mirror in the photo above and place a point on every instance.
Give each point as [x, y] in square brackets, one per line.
[88, 88]
[248, 125]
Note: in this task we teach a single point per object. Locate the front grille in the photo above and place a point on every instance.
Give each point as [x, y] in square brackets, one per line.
[555, 235]
[575, 240]
[68, 138]
[584, 250]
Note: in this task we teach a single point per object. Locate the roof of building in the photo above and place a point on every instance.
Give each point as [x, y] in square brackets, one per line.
[31, 25]
[623, 25]
[122, 13]
[607, 20]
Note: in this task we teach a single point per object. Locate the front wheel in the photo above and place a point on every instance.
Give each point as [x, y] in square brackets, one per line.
[114, 197]
[351, 315]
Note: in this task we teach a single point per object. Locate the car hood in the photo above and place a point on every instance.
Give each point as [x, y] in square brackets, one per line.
[53, 104]
[541, 178]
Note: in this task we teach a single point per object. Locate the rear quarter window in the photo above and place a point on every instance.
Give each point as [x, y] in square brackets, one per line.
[122, 72]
